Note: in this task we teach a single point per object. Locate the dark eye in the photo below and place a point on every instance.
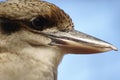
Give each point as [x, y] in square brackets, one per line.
[39, 23]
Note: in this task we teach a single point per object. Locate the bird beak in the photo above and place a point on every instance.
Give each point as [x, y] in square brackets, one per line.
[79, 43]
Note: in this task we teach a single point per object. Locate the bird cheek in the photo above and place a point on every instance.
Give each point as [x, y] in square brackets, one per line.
[34, 39]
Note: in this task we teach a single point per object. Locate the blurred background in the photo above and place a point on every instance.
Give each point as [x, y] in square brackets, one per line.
[100, 18]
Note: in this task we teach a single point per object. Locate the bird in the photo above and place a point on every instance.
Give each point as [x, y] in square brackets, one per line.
[34, 37]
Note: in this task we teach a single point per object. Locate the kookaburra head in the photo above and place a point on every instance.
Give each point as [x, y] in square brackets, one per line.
[35, 35]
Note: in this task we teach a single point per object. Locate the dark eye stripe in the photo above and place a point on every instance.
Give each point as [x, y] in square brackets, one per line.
[8, 26]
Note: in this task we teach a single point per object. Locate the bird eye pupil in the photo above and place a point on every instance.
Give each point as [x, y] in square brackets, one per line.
[39, 23]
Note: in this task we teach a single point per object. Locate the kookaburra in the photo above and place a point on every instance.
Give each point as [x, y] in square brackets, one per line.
[34, 37]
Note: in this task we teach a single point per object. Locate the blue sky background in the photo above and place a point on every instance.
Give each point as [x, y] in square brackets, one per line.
[100, 18]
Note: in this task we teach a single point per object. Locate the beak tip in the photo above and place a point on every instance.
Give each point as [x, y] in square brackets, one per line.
[114, 48]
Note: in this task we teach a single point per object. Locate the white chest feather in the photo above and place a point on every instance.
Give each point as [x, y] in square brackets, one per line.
[30, 64]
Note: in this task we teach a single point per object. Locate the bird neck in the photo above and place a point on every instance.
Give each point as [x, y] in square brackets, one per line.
[44, 54]
[30, 63]
[46, 60]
